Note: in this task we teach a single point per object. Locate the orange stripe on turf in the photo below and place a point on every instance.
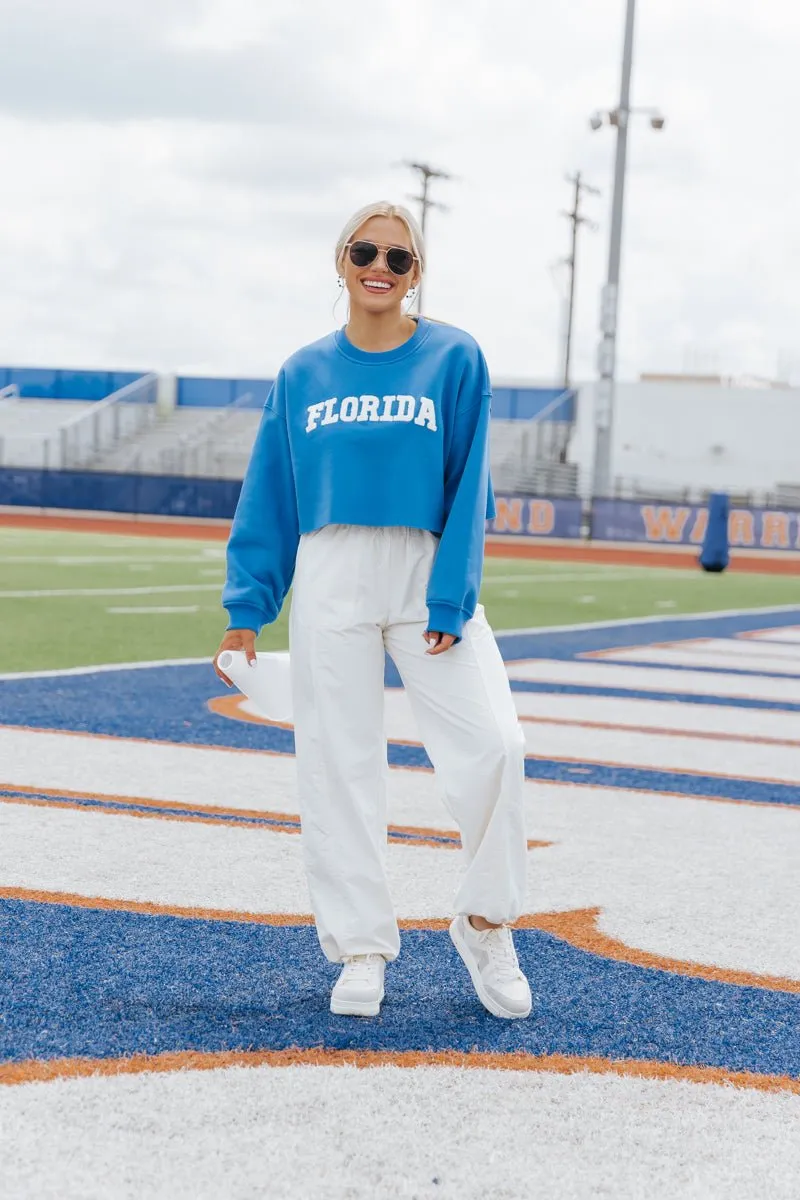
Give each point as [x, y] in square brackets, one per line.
[578, 927]
[660, 731]
[287, 822]
[40, 1071]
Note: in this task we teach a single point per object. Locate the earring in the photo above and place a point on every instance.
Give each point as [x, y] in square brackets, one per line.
[411, 293]
[341, 281]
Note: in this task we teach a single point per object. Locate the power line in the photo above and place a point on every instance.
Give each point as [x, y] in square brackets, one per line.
[426, 174]
[577, 219]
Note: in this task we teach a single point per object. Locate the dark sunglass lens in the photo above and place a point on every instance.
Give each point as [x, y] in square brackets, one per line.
[399, 261]
[363, 253]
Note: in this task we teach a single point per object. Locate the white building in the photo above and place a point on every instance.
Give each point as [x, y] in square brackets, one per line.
[673, 435]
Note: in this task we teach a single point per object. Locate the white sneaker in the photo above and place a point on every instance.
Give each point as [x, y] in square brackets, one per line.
[491, 960]
[359, 988]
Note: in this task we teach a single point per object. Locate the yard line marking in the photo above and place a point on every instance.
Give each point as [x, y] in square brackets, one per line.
[102, 667]
[150, 608]
[65, 560]
[125, 591]
[576, 577]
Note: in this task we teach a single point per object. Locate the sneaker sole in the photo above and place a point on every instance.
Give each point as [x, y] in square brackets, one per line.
[357, 1008]
[486, 1000]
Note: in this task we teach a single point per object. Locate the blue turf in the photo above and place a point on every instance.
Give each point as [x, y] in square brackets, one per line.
[171, 704]
[107, 984]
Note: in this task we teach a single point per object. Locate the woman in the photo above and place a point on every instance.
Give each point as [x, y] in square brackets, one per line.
[369, 484]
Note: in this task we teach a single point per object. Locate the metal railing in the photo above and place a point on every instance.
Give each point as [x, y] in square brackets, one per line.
[534, 463]
[123, 414]
[194, 453]
[657, 491]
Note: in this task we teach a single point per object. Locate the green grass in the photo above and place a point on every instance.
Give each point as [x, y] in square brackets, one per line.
[47, 630]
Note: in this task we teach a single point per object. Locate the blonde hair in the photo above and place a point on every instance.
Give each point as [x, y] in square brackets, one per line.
[382, 208]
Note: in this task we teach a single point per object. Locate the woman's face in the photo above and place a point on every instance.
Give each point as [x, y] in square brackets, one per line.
[375, 288]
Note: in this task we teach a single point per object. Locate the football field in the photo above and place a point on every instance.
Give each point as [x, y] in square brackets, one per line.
[75, 599]
[164, 1005]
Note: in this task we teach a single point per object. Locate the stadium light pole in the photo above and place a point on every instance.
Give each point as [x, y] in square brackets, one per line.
[607, 351]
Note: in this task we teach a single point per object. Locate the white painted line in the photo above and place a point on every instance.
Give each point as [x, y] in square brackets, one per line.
[666, 752]
[741, 647]
[586, 674]
[791, 634]
[104, 667]
[616, 622]
[182, 608]
[605, 576]
[675, 656]
[725, 721]
[68, 560]
[131, 591]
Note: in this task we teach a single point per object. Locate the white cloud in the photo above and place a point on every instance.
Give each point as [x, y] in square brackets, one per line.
[175, 174]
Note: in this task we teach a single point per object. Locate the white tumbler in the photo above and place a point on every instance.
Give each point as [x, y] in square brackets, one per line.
[267, 683]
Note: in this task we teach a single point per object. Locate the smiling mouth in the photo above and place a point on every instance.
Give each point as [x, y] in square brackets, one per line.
[377, 286]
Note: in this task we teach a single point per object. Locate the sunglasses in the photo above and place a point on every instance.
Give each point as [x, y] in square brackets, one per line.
[398, 260]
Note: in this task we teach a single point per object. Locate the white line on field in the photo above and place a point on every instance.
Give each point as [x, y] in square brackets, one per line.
[148, 608]
[68, 560]
[105, 667]
[192, 662]
[694, 616]
[130, 591]
[583, 577]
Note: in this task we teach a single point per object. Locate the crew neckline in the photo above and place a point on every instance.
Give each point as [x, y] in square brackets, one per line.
[378, 357]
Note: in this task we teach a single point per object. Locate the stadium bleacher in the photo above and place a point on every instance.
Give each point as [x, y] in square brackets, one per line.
[208, 427]
[30, 429]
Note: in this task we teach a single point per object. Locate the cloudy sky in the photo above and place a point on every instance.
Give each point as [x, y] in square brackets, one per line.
[175, 174]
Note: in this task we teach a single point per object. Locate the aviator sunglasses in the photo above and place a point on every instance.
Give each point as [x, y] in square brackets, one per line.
[398, 260]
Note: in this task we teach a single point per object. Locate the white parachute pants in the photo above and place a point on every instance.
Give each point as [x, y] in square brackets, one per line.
[360, 590]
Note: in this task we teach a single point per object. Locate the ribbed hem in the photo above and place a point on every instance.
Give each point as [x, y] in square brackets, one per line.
[447, 618]
[243, 616]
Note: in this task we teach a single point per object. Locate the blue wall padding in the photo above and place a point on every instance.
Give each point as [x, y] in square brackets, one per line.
[715, 554]
[45, 384]
[149, 495]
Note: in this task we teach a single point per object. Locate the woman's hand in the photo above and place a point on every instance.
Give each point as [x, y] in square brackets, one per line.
[236, 639]
[439, 642]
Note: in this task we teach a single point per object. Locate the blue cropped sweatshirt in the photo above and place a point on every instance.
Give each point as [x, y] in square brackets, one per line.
[349, 437]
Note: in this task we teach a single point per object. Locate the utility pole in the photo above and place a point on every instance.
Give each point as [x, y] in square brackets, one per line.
[577, 219]
[426, 173]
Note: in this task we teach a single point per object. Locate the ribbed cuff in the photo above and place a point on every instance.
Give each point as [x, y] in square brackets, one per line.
[243, 616]
[446, 618]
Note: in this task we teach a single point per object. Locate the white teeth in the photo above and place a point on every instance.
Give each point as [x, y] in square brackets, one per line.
[375, 283]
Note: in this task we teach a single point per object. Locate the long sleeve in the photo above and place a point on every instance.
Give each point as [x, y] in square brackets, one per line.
[456, 576]
[262, 547]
